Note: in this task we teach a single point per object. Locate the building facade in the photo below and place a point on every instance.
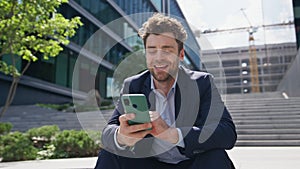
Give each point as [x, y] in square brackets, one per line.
[231, 66]
[51, 81]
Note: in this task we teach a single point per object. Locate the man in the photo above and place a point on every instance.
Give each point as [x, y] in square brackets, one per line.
[190, 126]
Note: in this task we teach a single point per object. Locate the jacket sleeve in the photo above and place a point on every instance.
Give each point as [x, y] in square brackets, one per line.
[213, 127]
[107, 137]
[141, 148]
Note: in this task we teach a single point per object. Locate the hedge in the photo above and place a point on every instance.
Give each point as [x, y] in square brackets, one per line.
[47, 142]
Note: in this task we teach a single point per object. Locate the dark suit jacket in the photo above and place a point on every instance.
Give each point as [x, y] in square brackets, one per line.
[200, 113]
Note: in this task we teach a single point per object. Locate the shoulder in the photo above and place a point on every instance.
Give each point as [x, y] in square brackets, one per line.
[194, 80]
[198, 80]
[195, 75]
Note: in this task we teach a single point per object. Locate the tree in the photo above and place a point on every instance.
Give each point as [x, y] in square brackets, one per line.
[28, 29]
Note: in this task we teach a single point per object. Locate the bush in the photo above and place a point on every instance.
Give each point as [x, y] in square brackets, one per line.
[5, 128]
[42, 135]
[16, 146]
[59, 107]
[72, 143]
[105, 105]
[48, 142]
[46, 153]
[96, 136]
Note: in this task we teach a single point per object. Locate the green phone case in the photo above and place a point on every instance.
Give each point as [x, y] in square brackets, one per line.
[137, 104]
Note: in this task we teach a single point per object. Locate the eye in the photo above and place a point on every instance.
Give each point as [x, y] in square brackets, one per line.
[166, 52]
[151, 51]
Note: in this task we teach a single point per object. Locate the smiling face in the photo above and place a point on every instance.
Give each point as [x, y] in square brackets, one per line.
[162, 56]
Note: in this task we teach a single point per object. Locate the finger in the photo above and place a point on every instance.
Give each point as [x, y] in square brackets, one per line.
[125, 117]
[139, 127]
[130, 116]
[153, 115]
[141, 134]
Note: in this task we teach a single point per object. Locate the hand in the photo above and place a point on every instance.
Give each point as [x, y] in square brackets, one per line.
[129, 135]
[161, 130]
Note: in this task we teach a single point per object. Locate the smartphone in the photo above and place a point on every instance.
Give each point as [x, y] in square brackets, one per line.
[137, 104]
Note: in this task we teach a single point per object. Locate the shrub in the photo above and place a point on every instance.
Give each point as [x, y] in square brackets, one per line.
[59, 107]
[48, 142]
[96, 136]
[46, 153]
[72, 143]
[46, 132]
[16, 146]
[5, 128]
[42, 135]
[106, 103]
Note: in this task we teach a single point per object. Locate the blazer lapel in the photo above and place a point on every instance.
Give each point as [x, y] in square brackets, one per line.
[186, 109]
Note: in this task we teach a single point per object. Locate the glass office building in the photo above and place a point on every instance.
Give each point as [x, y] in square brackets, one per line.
[231, 69]
[56, 74]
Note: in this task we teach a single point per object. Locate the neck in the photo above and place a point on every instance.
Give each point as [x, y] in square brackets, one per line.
[164, 86]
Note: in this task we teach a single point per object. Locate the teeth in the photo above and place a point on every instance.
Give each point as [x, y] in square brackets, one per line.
[160, 66]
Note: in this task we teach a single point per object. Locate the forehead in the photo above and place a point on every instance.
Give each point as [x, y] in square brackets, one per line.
[161, 39]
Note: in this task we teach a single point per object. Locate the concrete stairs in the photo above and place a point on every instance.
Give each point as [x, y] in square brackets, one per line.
[29, 116]
[265, 119]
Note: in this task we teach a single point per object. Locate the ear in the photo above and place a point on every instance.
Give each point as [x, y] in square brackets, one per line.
[181, 54]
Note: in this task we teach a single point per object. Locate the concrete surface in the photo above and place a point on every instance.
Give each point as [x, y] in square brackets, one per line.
[265, 157]
[71, 163]
[243, 158]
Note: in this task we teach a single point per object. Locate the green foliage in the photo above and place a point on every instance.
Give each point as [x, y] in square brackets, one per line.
[5, 128]
[46, 153]
[16, 146]
[72, 143]
[29, 29]
[106, 102]
[105, 105]
[42, 136]
[8, 69]
[46, 132]
[96, 136]
[59, 107]
[32, 27]
[48, 142]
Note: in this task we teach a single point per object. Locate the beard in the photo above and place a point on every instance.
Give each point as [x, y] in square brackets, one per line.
[164, 76]
[161, 76]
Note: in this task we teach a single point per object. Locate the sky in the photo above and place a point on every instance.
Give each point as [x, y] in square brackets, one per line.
[227, 14]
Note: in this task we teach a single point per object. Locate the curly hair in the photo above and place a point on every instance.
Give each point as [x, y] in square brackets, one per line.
[160, 23]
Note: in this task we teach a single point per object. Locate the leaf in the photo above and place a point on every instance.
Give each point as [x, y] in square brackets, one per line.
[27, 28]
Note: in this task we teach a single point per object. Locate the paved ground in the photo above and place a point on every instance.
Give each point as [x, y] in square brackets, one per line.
[266, 157]
[73, 163]
[243, 158]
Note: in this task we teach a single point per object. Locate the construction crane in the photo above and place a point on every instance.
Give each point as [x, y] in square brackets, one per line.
[255, 85]
[252, 57]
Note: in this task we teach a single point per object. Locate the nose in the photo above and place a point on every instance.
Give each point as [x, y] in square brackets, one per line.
[158, 54]
[161, 54]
